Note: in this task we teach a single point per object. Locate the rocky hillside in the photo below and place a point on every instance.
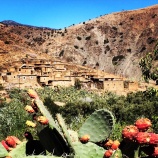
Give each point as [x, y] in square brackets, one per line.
[113, 43]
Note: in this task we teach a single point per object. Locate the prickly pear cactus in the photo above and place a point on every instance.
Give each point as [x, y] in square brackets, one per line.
[66, 134]
[55, 135]
[3, 151]
[117, 154]
[51, 136]
[41, 156]
[19, 152]
[98, 126]
[88, 150]
[46, 113]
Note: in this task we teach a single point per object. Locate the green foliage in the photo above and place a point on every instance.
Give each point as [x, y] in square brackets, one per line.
[136, 105]
[117, 132]
[77, 83]
[12, 119]
[79, 105]
[20, 95]
[147, 66]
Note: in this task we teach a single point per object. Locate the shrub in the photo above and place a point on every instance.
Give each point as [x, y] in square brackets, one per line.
[61, 53]
[12, 119]
[106, 41]
[77, 84]
[7, 42]
[76, 46]
[88, 38]
[79, 38]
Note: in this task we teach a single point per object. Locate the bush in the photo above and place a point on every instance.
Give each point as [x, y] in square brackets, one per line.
[12, 119]
[76, 46]
[79, 38]
[88, 38]
[80, 104]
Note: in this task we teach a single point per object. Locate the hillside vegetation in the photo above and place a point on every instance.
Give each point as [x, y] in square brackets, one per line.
[78, 105]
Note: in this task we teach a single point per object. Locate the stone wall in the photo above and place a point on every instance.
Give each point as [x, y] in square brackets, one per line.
[133, 86]
[114, 85]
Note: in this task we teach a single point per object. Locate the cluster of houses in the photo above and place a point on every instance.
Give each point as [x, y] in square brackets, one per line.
[36, 73]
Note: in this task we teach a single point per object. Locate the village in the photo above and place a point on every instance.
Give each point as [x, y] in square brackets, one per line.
[38, 73]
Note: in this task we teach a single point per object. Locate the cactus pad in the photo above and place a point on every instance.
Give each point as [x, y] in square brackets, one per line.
[41, 156]
[3, 151]
[88, 150]
[18, 151]
[98, 126]
[46, 113]
[117, 154]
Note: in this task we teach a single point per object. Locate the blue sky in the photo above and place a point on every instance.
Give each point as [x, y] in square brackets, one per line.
[63, 13]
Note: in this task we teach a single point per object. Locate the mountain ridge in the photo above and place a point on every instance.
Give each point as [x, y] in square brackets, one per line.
[113, 43]
[12, 22]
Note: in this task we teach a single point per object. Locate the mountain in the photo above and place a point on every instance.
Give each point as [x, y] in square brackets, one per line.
[10, 22]
[14, 23]
[113, 42]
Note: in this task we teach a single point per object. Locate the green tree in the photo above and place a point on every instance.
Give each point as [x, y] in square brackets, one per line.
[147, 66]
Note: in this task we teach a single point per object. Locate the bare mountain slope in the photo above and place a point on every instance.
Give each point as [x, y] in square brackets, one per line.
[113, 43]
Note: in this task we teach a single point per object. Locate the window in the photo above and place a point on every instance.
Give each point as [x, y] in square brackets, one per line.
[31, 71]
[24, 77]
[8, 73]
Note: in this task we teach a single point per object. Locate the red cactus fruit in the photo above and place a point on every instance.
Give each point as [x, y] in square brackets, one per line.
[85, 138]
[153, 138]
[10, 141]
[143, 137]
[108, 153]
[115, 145]
[109, 143]
[43, 120]
[17, 141]
[3, 142]
[32, 94]
[29, 109]
[155, 151]
[143, 124]
[130, 132]
[30, 123]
